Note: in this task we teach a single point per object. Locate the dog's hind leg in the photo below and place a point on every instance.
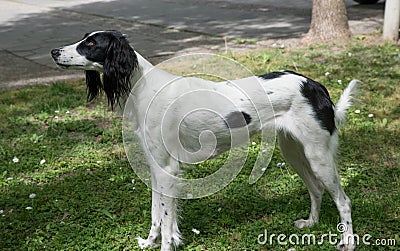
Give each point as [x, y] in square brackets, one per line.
[293, 152]
[321, 154]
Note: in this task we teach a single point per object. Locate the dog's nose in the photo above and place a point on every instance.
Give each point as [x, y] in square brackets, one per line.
[55, 53]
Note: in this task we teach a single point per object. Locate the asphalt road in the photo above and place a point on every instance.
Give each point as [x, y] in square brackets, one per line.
[158, 29]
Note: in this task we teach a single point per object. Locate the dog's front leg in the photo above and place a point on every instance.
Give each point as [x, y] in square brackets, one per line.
[164, 209]
[155, 231]
[170, 234]
[168, 188]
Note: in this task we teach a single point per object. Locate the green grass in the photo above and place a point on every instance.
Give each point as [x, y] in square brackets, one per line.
[85, 199]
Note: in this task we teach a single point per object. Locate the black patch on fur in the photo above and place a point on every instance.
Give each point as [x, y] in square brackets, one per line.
[94, 84]
[318, 97]
[294, 73]
[272, 75]
[237, 119]
[112, 50]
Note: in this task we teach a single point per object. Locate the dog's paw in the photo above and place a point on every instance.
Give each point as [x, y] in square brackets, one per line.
[344, 247]
[146, 243]
[303, 223]
[346, 244]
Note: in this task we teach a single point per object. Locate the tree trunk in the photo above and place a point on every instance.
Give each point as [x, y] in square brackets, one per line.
[392, 20]
[328, 21]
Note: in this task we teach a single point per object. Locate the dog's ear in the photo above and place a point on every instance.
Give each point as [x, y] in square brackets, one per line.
[119, 64]
[93, 83]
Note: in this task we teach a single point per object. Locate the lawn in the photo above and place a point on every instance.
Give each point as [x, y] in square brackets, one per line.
[66, 184]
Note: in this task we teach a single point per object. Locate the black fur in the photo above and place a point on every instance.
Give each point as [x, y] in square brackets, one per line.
[120, 62]
[94, 84]
[237, 119]
[112, 50]
[318, 98]
[272, 75]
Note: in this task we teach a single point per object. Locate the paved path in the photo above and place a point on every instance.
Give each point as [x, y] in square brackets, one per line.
[29, 29]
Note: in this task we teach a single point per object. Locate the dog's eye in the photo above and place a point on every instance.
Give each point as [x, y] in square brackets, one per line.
[90, 43]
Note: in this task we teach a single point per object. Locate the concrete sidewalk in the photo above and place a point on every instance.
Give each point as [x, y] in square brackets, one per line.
[158, 29]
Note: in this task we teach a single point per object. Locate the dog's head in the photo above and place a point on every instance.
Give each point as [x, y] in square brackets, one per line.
[106, 52]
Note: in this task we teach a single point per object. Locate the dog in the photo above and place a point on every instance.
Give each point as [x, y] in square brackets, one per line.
[304, 117]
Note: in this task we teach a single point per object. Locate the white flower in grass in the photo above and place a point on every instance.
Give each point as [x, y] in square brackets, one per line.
[327, 73]
[9, 178]
[15, 160]
[28, 208]
[1, 211]
[57, 111]
[339, 82]
[349, 54]
[32, 196]
[42, 161]
[67, 112]
[357, 111]
[133, 182]
[194, 230]
[253, 143]
[370, 115]
[55, 117]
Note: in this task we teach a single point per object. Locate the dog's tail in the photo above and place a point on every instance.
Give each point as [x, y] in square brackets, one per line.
[346, 100]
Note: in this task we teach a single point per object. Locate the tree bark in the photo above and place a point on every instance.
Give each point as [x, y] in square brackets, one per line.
[328, 21]
[392, 20]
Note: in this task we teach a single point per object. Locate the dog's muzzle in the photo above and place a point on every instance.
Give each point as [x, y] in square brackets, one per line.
[55, 54]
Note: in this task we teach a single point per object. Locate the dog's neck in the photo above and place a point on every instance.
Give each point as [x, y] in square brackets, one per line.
[149, 74]
[143, 68]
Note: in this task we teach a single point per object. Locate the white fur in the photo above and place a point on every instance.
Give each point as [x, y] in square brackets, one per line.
[345, 102]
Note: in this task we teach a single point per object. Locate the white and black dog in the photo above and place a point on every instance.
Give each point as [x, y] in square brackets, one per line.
[304, 117]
